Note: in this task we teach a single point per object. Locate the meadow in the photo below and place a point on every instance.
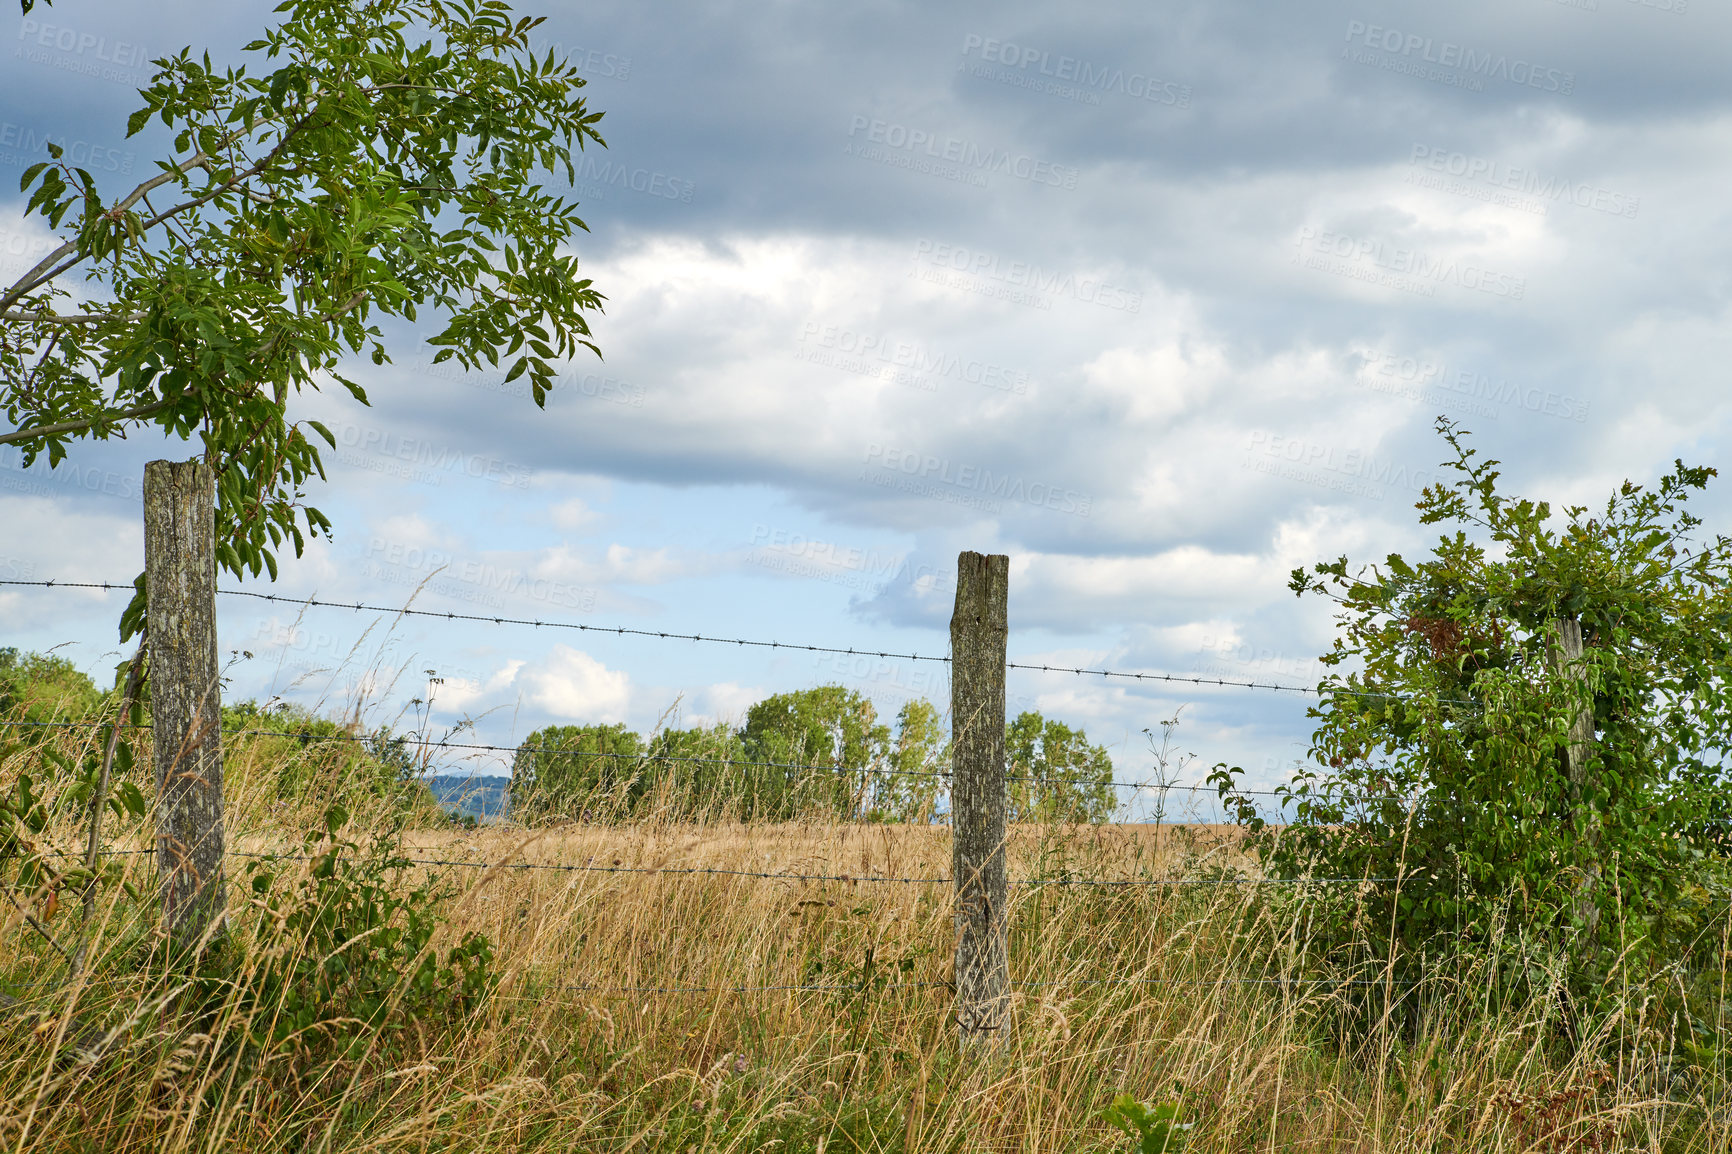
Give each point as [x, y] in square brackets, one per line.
[626, 1005]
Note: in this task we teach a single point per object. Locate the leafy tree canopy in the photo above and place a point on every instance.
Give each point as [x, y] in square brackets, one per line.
[574, 768]
[43, 687]
[373, 160]
[1056, 775]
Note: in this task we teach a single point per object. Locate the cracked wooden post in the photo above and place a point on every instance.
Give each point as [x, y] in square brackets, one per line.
[185, 697]
[978, 633]
[1567, 656]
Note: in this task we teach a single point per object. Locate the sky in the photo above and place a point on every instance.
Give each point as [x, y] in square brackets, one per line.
[1162, 300]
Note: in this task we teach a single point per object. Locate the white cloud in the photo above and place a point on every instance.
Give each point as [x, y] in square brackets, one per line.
[573, 687]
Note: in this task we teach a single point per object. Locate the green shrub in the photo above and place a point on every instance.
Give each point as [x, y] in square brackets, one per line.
[344, 955]
[1447, 757]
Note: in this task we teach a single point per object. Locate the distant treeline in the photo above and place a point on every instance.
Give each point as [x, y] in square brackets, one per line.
[812, 752]
[809, 752]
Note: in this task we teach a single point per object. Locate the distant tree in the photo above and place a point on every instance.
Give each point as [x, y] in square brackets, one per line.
[1071, 777]
[830, 727]
[578, 770]
[44, 687]
[704, 772]
[911, 789]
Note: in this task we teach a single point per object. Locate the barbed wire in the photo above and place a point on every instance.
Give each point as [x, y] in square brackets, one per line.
[838, 988]
[306, 737]
[851, 651]
[852, 879]
[865, 987]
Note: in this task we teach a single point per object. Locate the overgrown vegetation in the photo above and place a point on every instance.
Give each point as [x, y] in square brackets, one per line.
[367, 1002]
[1448, 756]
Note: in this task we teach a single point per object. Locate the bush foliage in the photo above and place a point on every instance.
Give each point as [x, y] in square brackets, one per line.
[1442, 749]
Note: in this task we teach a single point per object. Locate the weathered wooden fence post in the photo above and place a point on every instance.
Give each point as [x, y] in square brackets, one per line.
[978, 635]
[185, 698]
[1568, 658]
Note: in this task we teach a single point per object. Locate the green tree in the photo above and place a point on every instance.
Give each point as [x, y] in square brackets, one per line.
[829, 726]
[910, 788]
[39, 687]
[1056, 775]
[1444, 748]
[387, 161]
[704, 771]
[593, 771]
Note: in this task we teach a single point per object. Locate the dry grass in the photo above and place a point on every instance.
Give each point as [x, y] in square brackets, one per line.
[617, 1025]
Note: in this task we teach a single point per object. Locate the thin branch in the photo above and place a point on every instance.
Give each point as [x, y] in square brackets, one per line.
[99, 800]
[83, 423]
[35, 924]
[39, 275]
[69, 318]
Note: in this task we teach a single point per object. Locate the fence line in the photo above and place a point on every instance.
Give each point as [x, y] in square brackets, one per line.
[624, 631]
[852, 879]
[860, 987]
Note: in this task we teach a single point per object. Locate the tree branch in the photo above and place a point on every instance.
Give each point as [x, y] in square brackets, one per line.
[83, 423]
[34, 923]
[41, 274]
[38, 276]
[68, 318]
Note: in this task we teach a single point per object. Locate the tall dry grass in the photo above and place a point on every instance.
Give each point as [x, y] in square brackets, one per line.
[618, 1022]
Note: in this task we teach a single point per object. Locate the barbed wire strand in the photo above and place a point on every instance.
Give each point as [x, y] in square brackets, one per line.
[856, 988]
[852, 879]
[851, 651]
